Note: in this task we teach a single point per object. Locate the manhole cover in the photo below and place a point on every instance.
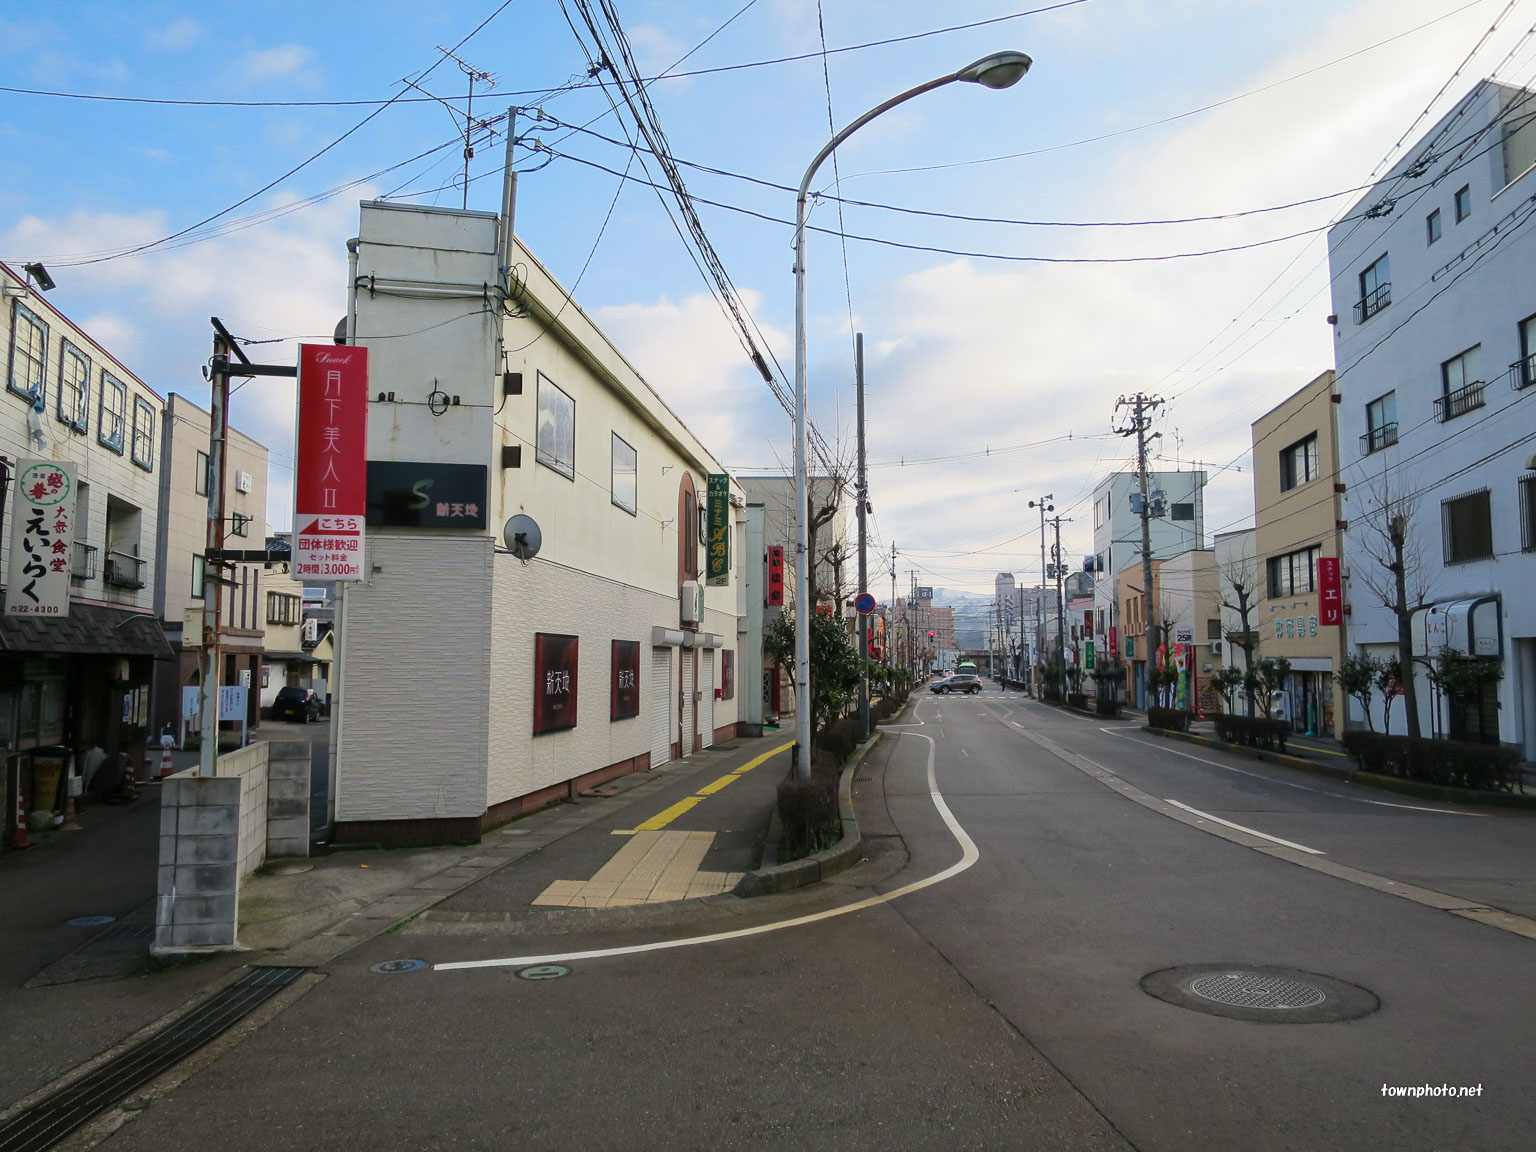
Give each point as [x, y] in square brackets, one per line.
[396, 967]
[90, 921]
[1260, 994]
[1245, 990]
[544, 972]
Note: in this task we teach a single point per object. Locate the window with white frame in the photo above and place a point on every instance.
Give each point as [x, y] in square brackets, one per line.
[284, 608]
[201, 474]
[1380, 424]
[1295, 573]
[1298, 463]
[28, 359]
[74, 402]
[199, 576]
[1375, 290]
[111, 412]
[556, 437]
[1461, 382]
[143, 434]
[626, 472]
[1466, 527]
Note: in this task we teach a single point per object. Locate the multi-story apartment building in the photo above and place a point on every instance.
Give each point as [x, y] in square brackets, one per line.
[75, 674]
[481, 676]
[1435, 314]
[1298, 546]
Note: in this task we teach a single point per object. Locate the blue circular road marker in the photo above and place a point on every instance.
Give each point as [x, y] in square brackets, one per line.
[90, 921]
[544, 972]
[396, 967]
[865, 603]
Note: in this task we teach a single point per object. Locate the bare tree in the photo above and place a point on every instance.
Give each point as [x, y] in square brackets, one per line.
[1240, 594]
[1396, 578]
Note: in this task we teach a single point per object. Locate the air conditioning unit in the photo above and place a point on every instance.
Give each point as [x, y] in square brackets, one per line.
[1215, 647]
[242, 481]
[691, 603]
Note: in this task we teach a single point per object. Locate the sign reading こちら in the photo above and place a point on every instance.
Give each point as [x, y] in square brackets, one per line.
[331, 483]
[42, 538]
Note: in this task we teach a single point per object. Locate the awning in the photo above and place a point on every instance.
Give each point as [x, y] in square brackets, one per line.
[88, 630]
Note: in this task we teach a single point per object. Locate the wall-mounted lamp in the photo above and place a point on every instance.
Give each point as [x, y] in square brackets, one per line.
[39, 276]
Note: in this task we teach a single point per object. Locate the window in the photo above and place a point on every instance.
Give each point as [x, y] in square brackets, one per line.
[143, 434]
[1432, 226]
[74, 401]
[283, 608]
[1380, 424]
[1295, 573]
[557, 429]
[29, 353]
[1524, 369]
[1182, 511]
[1528, 512]
[111, 412]
[1213, 629]
[199, 576]
[1375, 290]
[1461, 385]
[1466, 526]
[1298, 463]
[1463, 202]
[625, 475]
[202, 475]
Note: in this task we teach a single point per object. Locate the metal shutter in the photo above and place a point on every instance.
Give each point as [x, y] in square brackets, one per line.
[708, 688]
[689, 711]
[661, 705]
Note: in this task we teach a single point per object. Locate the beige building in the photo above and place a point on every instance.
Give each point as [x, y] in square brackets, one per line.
[1297, 515]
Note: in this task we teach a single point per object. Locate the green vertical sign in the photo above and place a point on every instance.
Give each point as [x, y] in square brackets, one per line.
[719, 544]
[1088, 654]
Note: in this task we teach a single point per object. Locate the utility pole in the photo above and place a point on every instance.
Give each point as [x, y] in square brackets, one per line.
[213, 597]
[1142, 407]
[1061, 607]
[1045, 505]
[890, 632]
[861, 492]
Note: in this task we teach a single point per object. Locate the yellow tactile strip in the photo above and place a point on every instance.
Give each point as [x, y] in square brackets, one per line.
[650, 868]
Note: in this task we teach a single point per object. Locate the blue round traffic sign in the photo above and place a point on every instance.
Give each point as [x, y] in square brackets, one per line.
[865, 603]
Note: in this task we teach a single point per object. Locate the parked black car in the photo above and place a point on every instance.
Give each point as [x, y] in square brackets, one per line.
[301, 704]
[959, 682]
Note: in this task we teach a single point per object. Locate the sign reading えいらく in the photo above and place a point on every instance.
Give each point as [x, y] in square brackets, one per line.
[42, 539]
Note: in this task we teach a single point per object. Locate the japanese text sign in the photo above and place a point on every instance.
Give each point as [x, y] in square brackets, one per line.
[554, 682]
[624, 693]
[1330, 594]
[42, 539]
[719, 527]
[331, 480]
[775, 576]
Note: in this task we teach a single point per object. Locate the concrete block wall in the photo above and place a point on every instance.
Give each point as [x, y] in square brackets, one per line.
[288, 798]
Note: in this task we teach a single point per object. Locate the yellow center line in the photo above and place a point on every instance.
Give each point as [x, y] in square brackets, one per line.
[659, 821]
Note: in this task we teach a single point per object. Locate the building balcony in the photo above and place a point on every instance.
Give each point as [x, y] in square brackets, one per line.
[1522, 373]
[84, 566]
[1378, 438]
[1369, 305]
[124, 570]
[1460, 402]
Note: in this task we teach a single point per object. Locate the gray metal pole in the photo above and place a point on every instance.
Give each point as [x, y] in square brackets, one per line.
[862, 494]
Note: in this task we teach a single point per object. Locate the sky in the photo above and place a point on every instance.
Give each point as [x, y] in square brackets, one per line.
[1145, 211]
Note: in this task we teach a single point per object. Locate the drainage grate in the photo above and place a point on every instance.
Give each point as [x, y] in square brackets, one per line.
[51, 1120]
[1248, 990]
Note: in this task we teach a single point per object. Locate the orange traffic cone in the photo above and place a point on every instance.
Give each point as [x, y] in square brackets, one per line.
[166, 768]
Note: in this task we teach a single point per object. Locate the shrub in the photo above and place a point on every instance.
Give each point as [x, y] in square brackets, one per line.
[1106, 707]
[1251, 732]
[1050, 694]
[808, 814]
[1449, 763]
[1171, 719]
[1078, 700]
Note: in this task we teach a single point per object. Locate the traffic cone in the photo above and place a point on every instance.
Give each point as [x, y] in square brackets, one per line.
[166, 768]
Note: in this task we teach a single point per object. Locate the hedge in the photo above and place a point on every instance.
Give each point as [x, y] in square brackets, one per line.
[1106, 707]
[1171, 719]
[1252, 732]
[1450, 763]
[1078, 700]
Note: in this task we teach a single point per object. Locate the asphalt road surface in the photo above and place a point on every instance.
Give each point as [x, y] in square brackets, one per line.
[1001, 1006]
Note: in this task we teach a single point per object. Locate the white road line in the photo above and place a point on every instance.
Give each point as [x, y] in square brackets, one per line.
[969, 854]
[964, 753]
[1249, 831]
[1288, 784]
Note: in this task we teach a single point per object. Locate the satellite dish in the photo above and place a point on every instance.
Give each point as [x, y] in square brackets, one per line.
[522, 537]
[340, 335]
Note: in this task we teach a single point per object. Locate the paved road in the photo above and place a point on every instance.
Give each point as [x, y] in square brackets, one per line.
[999, 1008]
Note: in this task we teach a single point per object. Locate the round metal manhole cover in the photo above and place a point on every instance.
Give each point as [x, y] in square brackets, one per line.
[90, 921]
[1246, 990]
[397, 967]
[1260, 994]
[544, 972]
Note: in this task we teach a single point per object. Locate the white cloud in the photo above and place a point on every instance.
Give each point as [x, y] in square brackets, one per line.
[290, 62]
[178, 34]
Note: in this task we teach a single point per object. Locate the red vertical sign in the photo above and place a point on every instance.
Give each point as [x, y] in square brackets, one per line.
[775, 576]
[1330, 594]
[1114, 642]
[330, 490]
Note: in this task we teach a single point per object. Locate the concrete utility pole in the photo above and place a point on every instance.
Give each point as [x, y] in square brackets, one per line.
[862, 495]
[1142, 407]
[1045, 505]
[213, 576]
[1061, 606]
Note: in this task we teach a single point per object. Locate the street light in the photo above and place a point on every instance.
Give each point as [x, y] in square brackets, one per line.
[999, 70]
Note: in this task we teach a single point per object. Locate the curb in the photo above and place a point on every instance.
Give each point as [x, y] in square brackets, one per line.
[818, 866]
[1370, 779]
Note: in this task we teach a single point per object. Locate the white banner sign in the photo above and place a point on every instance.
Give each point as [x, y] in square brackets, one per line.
[42, 539]
[231, 702]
